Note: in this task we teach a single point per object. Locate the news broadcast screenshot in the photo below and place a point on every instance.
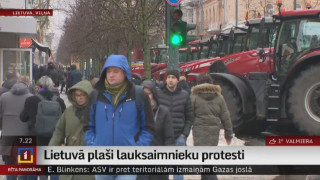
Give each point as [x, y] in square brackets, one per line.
[159, 90]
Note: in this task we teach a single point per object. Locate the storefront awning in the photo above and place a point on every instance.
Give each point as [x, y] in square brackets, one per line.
[40, 47]
[25, 27]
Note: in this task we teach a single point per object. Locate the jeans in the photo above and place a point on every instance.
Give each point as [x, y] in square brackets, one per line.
[180, 141]
[116, 177]
[209, 177]
[54, 177]
[27, 177]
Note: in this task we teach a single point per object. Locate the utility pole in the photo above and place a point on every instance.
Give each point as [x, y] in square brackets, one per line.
[295, 4]
[202, 17]
[237, 12]
[225, 12]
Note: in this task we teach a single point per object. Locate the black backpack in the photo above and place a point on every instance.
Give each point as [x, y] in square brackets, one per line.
[48, 114]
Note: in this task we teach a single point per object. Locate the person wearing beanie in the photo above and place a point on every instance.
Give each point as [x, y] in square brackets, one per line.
[174, 72]
[164, 130]
[178, 102]
[113, 116]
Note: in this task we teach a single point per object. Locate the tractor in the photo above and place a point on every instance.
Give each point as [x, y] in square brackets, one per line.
[283, 83]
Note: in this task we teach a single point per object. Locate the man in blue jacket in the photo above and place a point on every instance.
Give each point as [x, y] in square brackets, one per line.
[115, 119]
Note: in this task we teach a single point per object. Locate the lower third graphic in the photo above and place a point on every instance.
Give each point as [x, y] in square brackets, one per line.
[25, 155]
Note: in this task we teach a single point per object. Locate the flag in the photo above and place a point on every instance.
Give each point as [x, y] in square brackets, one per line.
[247, 15]
[259, 14]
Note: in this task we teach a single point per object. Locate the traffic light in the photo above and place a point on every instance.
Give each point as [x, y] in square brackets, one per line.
[177, 29]
[178, 33]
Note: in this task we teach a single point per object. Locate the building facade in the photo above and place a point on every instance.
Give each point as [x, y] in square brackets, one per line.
[211, 16]
[12, 29]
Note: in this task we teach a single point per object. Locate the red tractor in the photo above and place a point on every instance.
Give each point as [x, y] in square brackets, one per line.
[159, 58]
[203, 53]
[237, 51]
[187, 54]
[280, 85]
[228, 42]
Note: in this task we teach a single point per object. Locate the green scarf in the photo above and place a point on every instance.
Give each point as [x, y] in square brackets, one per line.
[116, 91]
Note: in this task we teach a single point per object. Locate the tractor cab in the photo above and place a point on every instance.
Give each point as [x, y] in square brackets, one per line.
[297, 37]
[230, 41]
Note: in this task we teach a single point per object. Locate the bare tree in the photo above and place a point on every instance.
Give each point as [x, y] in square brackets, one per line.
[95, 29]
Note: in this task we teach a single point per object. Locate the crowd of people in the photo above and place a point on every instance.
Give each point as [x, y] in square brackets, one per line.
[110, 111]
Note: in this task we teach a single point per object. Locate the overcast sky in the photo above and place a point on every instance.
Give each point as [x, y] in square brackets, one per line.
[58, 18]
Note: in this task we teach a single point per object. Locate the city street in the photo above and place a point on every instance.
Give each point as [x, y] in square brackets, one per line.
[252, 141]
[252, 66]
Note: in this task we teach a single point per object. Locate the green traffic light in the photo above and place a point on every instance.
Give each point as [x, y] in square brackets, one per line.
[176, 39]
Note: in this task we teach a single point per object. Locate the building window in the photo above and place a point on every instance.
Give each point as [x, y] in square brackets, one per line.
[213, 15]
[209, 16]
[206, 17]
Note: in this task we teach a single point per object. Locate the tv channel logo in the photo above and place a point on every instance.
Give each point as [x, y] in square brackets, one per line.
[25, 155]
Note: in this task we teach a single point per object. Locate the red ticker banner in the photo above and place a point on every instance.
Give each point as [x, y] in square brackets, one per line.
[293, 141]
[22, 170]
[26, 12]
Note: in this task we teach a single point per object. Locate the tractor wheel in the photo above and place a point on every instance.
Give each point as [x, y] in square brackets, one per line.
[234, 105]
[304, 101]
[242, 124]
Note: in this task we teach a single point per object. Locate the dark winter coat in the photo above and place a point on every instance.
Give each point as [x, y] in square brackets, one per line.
[69, 123]
[179, 105]
[164, 129]
[35, 72]
[119, 126]
[30, 111]
[11, 105]
[74, 77]
[184, 85]
[209, 110]
[54, 75]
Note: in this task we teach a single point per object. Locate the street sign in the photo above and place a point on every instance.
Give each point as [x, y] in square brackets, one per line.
[174, 2]
[25, 43]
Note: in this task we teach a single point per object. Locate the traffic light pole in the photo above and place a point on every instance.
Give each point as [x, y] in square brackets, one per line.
[173, 50]
[173, 57]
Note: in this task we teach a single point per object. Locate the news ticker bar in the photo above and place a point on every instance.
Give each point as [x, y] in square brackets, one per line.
[269, 141]
[178, 155]
[160, 169]
[26, 12]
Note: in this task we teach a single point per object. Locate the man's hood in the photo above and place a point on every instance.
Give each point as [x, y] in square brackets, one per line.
[84, 86]
[119, 61]
[19, 88]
